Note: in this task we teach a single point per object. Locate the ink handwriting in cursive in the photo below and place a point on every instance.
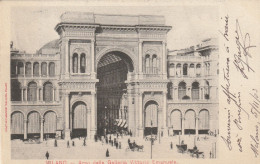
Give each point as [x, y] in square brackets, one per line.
[227, 140]
[225, 34]
[255, 104]
[255, 140]
[243, 47]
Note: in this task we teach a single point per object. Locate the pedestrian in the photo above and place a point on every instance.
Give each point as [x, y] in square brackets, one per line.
[73, 144]
[47, 155]
[55, 143]
[84, 142]
[119, 145]
[68, 144]
[112, 143]
[171, 145]
[107, 153]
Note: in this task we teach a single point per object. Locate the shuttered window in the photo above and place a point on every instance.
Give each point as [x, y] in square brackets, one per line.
[151, 114]
[176, 120]
[204, 119]
[34, 122]
[190, 120]
[50, 122]
[17, 125]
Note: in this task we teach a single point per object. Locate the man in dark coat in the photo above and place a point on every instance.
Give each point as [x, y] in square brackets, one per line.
[68, 144]
[47, 155]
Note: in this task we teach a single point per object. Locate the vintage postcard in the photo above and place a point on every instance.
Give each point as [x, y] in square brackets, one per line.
[130, 82]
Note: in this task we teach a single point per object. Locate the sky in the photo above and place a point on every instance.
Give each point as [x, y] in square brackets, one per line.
[32, 27]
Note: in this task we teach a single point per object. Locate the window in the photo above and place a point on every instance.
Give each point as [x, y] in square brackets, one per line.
[36, 69]
[155, 69]
[178, 71]
[75, 63]
[44, 69]
[203, 121]
[13, 68]
[20, 68]
[185, 69]
[170, 90]
[82, 63]
[195, 91]
[16, 91]
[192, 70]
[28, 69]
[182, 90]
[198, 69]
[32, 91]
[52, 69]
[147, 63]
[47, 92]
[171, 70]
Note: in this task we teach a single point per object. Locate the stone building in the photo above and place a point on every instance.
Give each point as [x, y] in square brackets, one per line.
[107, 70]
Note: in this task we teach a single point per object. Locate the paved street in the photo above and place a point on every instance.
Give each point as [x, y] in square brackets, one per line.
[97, 150]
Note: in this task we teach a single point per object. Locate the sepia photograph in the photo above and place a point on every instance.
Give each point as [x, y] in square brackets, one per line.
[116, 82]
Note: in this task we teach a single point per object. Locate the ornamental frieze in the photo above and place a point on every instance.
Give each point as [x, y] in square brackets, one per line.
[78, 85]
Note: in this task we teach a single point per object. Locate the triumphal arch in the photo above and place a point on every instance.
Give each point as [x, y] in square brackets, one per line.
[113, 73]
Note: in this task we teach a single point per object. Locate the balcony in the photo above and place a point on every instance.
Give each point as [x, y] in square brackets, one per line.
[35, 103]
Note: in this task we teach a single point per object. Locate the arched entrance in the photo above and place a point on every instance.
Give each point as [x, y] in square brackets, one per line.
[50, 124]
[151, 118]
[17, 125]
[112, 71]
[79, 120]
[34, 125]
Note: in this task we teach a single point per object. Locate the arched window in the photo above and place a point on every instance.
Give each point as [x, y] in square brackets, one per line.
[195, 91]
[44, 69]
[52, 69]
[16, 91]
[75, 63]
[207, 91]
[17, 123]
[28, 69]
[171, 70]
[178, 70]
[20, 68]
[155, 69]
[198, 70]
[47, 92]
[185, 69]
[181, 90]
[82, 63]
[36, 69]
[147, 63]
[32, 91]
[190, 122]
[192, 70]
[204, 121]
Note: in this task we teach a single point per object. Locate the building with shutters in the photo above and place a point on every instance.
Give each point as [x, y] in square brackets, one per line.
[110, 73]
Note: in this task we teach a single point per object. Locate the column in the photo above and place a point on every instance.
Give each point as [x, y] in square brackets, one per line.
[53, 94]
[79, 63]
[176, 93]
[41, 94]
[164, 113]
[25, 95]
[16, 70]
[93, 115]
[164, 64]
[40, 69]
[93, 74]
[37, 94]
[22, 94]
[67, 118]
[41, 133]
[140, 115]
[47, 73]
[140, 48]
[182, 125]
[23, 69]
[25, 128]
[31, 70]
[88, 122]
[197, 125]
[67, 54]
[189, 91]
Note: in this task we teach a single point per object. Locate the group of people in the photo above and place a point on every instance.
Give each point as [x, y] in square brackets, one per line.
[113, 142]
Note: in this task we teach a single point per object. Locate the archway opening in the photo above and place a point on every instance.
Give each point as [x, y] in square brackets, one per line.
[17, 125]
[112, 104]
[50, 125]
[79, 120]
[151, 118]
[34, 125]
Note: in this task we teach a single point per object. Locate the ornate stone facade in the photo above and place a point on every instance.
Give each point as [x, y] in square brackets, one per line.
[104, 69]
